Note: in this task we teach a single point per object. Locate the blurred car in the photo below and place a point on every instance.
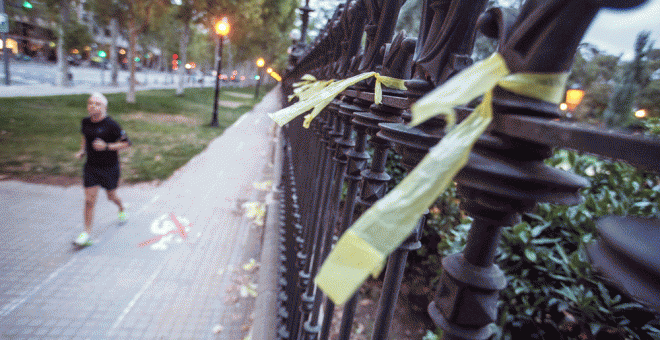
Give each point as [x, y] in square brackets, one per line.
[74, 60]
[99, 62]
[22, 57]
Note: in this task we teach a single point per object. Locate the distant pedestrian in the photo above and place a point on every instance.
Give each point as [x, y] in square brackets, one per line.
[101, 141]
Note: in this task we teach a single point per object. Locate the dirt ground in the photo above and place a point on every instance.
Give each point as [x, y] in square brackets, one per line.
[62, 181]
[407, 324]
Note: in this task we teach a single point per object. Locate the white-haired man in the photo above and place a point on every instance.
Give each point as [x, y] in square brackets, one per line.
[102, 139]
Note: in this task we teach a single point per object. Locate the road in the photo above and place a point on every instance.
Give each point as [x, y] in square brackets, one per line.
[33, 73]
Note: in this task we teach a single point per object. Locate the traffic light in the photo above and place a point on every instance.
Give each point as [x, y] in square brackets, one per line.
[175, 62]
[102, 54]
[27, 4]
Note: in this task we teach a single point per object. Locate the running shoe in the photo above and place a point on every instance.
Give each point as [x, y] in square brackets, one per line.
[83, 240]
[122, 217]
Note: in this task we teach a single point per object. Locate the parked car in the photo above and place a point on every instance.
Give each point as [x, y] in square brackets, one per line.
[99, 62]
[22, 57]
[74, 60]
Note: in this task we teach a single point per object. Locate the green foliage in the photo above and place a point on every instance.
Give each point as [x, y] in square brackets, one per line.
[409, 17]
[76, 35]
[552, 290]
[620, 109]
[652, 126]
[649, 98]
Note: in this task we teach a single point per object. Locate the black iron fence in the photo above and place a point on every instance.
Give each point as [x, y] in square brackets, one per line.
[329, 178]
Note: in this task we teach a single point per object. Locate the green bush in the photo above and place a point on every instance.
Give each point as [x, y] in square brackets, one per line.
[552, 292]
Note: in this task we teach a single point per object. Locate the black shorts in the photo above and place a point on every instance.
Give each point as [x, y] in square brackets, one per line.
[107, 177]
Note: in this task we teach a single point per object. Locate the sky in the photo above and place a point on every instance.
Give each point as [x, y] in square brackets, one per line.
[615, 31]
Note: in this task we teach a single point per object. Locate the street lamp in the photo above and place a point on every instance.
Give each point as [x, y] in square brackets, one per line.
[574, 97]
[641, 113]
[260, 65]
[221, 29]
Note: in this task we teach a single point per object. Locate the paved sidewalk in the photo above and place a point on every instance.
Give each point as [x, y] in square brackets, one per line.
[177, 270]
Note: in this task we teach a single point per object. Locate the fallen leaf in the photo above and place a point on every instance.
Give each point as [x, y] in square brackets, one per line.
[264, 186]
[250, 265]
[255, 211]
[365, 302]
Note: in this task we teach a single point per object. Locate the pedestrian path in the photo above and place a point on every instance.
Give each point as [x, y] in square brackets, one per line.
[184, 267]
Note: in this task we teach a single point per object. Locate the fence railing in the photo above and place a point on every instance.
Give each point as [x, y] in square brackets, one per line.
[329, 178]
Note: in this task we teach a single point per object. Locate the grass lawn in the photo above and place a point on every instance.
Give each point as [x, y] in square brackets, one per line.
[40, 135]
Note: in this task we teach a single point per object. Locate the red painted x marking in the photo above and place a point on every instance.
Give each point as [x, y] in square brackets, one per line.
[180, 229]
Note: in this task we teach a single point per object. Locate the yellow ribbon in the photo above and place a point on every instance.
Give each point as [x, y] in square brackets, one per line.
[391, 219]
[315, 94]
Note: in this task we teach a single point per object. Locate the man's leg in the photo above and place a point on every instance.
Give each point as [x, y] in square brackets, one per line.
[90, 202]
[112, 195]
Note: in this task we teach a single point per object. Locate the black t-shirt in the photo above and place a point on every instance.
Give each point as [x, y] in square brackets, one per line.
[109, 131]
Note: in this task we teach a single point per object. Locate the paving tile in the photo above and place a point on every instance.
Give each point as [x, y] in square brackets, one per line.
[56, 331]
[41, 331]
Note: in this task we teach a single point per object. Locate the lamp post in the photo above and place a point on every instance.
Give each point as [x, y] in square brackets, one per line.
[260, 65]
[221, 29]
[4, 29]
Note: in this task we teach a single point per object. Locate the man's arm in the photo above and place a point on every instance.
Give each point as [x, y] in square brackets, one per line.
[118, 146]
[82, 151]
[122, 143]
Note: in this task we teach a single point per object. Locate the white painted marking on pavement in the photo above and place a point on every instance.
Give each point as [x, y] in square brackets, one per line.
[240, 146]
[137, 296]
[10, 307]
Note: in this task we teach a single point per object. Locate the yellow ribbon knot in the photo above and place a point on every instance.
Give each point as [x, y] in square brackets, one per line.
[362, 250]
[317, 94]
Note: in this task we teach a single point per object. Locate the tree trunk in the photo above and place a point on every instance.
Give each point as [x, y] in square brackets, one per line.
[132, 32]
[114, 33]
[62, 64]
[183, 50]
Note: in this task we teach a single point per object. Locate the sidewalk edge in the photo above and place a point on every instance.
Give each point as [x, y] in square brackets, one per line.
[265, 323]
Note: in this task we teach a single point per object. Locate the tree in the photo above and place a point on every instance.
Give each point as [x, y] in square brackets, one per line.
[593, 71]
[138, 15]
[619, 112]
[186, 13]
[257, 27]
[110, 13]
[58, 12]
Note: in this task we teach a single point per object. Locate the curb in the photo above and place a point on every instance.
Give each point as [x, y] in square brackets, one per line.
[265, 321]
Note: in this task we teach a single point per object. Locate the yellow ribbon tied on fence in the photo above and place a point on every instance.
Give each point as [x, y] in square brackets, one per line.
[364, 247]
[317, 94]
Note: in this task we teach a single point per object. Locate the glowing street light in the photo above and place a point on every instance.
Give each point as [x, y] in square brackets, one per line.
[276, 76]
[574, 97]
[641, 113]
[221, 29]
[269, 70]
[260, 64]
